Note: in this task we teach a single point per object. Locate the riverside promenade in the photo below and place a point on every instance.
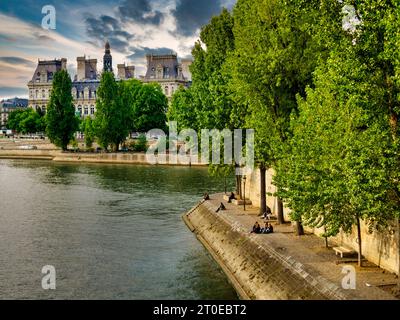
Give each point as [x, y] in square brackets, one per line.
[282, 265]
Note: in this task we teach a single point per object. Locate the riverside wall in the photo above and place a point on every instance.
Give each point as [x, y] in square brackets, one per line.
[380, 248]
[105, 158]
[256, 271]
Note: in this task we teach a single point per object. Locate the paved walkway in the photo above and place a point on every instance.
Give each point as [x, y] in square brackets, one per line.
[373, 283]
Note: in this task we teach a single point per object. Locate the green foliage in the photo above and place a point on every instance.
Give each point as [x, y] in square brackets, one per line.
[149, 107]
[87, 127]
[61, 122]
[114, 111]
[209, 102]
[277, 48]
[26, 121]
[141, 145]
[343, 156]
[182, 109]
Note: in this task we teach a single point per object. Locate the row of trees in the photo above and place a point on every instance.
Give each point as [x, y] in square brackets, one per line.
[122, 107]
[319, 82]
[27, 121]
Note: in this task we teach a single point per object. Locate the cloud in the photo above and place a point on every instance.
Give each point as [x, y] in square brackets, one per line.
[107, 27]
[11, 92]
[191, 15]
[17, 61]
[139, 11]
[140, 52]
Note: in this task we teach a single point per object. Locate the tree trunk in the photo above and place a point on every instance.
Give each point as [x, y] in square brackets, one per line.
[299, 228]
[398, 252]
[359, 242]
[238, 188]
[326, 239]
[281, 218]
[225, 184]
[263, 190]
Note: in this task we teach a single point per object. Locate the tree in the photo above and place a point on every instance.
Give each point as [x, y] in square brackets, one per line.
[114, 111]
[222, 171]
[87, 127]
[61, 122]
[26, 121]
[182, 109]
[277, 47]
[149, 107]
[343, 151]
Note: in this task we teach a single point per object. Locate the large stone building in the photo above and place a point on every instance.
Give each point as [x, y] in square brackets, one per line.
[41, 84]
[84, 85]
[10, 105]
[168, 72]
[162, 69]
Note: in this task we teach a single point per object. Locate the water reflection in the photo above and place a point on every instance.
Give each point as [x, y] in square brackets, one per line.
[112, 232]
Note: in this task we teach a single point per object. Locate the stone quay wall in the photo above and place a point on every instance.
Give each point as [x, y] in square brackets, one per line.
[256, 271]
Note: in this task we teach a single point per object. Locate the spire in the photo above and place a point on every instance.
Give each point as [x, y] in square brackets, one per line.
[107, 48]
[107, 58]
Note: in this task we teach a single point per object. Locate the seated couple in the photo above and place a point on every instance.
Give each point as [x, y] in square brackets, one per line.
[268, 228]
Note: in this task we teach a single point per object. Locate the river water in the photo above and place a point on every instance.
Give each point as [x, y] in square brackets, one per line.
[110, 231]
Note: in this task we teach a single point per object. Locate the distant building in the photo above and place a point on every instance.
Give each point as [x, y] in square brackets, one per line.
[8, 106]
[84, 85]
[42, 82]
[168, 72]
[162, 69]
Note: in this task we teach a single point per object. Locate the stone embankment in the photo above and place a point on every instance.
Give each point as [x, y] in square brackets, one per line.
[279, 266]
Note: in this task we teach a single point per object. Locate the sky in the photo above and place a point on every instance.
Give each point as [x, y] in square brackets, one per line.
[133, 28]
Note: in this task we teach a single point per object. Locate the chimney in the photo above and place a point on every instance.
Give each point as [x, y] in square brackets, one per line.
[121, 71]
[81, 64]
[63, 64]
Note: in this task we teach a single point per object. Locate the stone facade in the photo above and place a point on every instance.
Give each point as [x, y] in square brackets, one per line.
[84, 86]
[162, 69]
[168, 72]
[10, 105]
[41, 84]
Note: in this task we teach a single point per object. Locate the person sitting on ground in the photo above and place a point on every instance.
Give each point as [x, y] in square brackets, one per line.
[206, 197]
[256, 228]
[270, 229]
[221, 208]
[267, 213]
[231, 197]
[265, 229]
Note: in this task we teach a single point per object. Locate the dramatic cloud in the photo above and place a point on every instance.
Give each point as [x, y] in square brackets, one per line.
[10, 92]
[139, 11]
[17, 61]
[140, 52]
[191, 15]
[106, 27]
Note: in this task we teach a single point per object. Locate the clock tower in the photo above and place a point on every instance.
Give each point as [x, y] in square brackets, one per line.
[107, 59]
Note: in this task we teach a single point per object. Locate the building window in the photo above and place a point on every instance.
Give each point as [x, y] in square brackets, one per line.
[92, 110]
[80, 110]
[86, 111]
[43, 94]
[37, 94]
[166, 90]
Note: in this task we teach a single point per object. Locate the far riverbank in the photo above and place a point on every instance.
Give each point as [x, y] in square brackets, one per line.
[43, 150]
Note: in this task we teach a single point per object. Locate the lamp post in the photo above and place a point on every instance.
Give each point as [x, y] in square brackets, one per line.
[244, 192]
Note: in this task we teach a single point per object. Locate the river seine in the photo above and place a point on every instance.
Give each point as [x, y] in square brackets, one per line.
[110, 231]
